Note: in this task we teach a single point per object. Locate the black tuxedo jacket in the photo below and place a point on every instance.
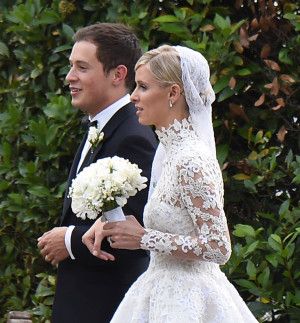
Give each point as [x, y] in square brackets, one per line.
[89, 289]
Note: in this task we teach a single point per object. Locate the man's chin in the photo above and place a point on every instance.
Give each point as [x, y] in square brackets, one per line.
[76, 105]
[87, 110]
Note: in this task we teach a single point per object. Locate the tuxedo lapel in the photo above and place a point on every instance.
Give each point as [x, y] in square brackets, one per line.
[109, 130]
[72, 175]
[88, 159]
[76, 160]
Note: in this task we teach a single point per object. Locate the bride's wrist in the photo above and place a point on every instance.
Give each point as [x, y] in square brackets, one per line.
[141, 233]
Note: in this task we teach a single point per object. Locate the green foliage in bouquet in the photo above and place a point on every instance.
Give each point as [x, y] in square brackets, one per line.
[253, 49]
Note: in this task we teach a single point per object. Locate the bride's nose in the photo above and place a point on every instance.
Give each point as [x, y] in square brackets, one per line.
[133, 96]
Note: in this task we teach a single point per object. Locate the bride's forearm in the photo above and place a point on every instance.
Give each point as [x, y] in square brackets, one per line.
[216, 250]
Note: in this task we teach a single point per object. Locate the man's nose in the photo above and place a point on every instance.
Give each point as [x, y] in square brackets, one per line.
[71, 75]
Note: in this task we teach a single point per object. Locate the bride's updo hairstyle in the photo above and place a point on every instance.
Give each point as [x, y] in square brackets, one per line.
[164, 63]
[190, 70]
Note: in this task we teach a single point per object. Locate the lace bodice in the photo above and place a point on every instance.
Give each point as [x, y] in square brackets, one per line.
[184, 216]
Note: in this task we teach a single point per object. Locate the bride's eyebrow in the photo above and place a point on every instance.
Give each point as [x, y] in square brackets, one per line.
[141, 82]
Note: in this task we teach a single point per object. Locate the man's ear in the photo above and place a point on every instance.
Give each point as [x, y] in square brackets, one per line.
[119, 74]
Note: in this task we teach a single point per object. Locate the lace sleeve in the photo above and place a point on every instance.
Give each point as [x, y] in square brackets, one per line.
[201, 193]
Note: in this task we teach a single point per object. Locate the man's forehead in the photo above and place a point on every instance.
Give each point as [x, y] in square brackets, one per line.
[83, 52]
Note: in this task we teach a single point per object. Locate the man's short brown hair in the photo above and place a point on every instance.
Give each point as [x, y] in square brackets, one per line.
[116, 45]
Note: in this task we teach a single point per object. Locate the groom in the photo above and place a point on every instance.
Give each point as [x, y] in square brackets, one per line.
[100, 78]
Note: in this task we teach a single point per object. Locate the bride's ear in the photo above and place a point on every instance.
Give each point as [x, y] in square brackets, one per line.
[175, 92]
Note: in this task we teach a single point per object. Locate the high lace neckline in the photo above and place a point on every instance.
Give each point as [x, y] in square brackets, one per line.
[176, 132]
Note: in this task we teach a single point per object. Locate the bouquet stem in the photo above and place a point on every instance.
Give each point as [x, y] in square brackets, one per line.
[114, 215]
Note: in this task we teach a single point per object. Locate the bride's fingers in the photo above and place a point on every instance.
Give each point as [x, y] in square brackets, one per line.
[97, 244]
[116, 241]
[120, 245]
[105, 255]
[94, 245]
[124, 242]
[97, 252]
[108, 232]
[88, 240]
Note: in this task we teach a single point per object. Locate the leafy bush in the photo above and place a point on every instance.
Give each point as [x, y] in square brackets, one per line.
[254, 52]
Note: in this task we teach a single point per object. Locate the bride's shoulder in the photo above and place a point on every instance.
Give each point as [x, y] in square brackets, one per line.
[196, 150]
[196, 155]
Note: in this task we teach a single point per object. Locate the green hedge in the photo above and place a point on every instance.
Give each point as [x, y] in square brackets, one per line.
[254, 53]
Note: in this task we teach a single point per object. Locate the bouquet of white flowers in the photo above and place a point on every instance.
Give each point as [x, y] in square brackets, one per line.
[104, 187]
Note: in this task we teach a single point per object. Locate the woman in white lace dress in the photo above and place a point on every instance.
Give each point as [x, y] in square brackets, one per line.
[185, 226]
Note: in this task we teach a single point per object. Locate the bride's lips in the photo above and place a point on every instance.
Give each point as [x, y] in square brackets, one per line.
[139, 110]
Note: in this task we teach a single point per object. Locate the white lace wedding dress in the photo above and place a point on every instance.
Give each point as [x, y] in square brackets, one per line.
[187, 234]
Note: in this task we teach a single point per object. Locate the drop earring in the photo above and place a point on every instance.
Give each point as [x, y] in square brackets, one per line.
[171, 104]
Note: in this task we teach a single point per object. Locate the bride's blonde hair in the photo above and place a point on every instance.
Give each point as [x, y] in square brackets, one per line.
[164, 63]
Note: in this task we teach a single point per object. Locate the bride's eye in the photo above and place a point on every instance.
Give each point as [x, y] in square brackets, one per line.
[143, 86]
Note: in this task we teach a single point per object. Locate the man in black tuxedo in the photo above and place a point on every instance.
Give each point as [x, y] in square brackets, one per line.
[101, 75]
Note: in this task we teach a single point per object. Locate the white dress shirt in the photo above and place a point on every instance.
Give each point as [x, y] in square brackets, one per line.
[102, 117]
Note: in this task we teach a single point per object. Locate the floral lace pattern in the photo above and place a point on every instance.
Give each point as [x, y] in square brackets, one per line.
[187, 235]
[191, 188]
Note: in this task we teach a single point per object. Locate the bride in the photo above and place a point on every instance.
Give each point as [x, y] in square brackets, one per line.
[185, 226]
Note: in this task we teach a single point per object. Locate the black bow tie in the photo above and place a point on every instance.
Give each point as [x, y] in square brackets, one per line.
[86, 123]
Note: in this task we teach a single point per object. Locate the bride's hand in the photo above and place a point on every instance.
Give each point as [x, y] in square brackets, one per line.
[124, 234]
[93, 239]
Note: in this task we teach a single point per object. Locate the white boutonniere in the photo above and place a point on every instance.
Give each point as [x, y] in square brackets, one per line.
[95, 136]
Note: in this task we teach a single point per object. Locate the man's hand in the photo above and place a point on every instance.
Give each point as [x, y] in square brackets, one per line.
[52, 245]
[93, 239]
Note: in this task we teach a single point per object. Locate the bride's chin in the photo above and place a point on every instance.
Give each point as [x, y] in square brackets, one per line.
[144, 122]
